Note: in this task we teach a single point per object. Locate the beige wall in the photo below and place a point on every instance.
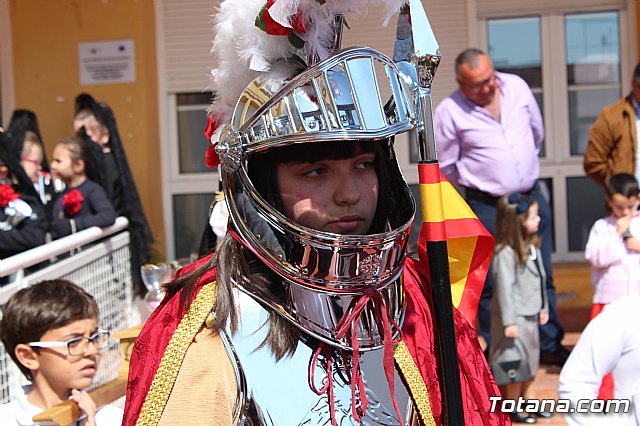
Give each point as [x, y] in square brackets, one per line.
[45, 37]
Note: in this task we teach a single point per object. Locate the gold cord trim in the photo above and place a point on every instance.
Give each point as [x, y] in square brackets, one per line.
[174, 354]
[417, 386]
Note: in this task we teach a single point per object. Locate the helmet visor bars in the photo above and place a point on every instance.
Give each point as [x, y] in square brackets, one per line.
[338, 99]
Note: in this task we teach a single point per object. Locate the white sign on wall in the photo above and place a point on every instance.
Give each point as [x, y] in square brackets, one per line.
[104, 62]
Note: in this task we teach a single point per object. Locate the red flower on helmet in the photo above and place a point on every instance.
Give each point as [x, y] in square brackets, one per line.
[271, 27]
[7, 195]
[211, 158]
[72, 202]
[299, 26]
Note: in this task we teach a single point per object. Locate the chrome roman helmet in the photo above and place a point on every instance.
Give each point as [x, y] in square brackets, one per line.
[337, 100]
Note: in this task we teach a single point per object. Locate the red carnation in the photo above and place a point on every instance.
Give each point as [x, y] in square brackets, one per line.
[274, 28]
[7, 195]
[72, 202]
[211, 158]
[299, 26]
[212, 125]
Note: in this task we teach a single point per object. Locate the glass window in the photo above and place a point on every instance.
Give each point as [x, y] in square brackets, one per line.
[192, 121]
[190, 215]
[593, 70]
[514, 47]
[193, 98]
[546, 187]
[584, 107]
[585, 205]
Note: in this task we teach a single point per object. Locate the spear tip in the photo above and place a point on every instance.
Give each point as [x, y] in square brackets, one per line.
[416, 44]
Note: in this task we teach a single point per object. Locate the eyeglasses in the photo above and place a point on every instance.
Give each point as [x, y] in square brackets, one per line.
[79, 345]
[482, 84]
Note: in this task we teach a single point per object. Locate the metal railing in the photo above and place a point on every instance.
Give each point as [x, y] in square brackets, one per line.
[102, 267]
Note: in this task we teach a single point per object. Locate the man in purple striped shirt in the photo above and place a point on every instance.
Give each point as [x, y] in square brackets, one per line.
[489, 133]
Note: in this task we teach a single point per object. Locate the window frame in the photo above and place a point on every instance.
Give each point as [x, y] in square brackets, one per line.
[558, 164]
[178, 183]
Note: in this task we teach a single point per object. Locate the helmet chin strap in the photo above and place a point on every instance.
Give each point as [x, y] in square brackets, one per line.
[347, 327]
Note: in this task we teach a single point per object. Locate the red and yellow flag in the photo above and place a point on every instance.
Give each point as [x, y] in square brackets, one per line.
[446, 216]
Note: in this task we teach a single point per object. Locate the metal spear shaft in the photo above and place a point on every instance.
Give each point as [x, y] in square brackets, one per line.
[417, 55]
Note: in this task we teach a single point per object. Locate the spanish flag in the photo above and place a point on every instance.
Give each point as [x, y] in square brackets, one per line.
[446, 216]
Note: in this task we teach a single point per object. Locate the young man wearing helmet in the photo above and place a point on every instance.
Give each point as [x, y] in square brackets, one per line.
[309, 312]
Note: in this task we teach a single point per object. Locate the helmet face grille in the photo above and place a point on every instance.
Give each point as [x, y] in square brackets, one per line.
[318, 314]
[338, 99]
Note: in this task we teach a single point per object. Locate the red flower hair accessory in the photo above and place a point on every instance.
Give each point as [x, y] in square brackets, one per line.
[7, 195]
[72, 202]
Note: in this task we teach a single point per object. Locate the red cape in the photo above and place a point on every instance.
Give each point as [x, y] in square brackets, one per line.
[476, 380]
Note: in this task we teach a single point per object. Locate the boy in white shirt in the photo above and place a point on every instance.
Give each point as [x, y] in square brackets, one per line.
[50, 330]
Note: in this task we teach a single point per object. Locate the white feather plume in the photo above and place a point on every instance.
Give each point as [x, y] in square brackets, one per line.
[319, 35]
[243, 50]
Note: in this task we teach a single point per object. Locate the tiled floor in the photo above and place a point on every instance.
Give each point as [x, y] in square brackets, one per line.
[546, 384]
[574, 293]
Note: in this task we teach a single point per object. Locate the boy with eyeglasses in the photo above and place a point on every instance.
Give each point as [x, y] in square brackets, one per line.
[50, 330]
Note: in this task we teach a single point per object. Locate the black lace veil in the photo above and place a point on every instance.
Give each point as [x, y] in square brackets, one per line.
[10, 158]
[129, 204]
[23, 120]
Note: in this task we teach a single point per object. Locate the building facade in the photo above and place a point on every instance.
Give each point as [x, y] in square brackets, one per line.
[577, 56]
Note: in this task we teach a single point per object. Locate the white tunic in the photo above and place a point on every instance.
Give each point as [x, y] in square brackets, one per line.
[610, 342]
[281, 389]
